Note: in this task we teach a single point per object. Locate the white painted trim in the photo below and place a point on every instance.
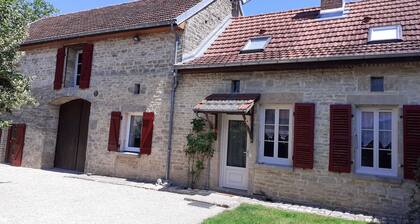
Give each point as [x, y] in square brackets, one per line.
[192, 11]
[375, 170]
[223, 151]
[206, 43]
[275, 160]
[76, 64]
[398, 30]
[126, 132]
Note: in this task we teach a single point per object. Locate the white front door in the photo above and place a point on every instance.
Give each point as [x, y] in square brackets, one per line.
[234, 146]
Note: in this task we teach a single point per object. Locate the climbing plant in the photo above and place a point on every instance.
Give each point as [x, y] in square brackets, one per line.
[199, 148]
[414, 213]
[15, 17]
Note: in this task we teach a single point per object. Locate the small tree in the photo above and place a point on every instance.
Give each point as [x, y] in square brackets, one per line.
[15, 16]
[414, 214]
[199, 148]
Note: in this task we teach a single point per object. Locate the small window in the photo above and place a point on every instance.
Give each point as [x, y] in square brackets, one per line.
[136, 89]
[385, 33]
[133, 135]
[377, 84]
[276, 135]
[377, 151]
[256, 44]
[236, 86]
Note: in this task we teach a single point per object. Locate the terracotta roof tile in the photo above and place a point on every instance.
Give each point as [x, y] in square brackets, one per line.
[111, 18]
[300, 34]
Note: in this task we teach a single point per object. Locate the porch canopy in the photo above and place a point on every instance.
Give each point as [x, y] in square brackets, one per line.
[228, 103]
[240, 104]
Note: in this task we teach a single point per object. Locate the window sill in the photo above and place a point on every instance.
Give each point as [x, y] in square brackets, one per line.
[276, 166]
[129, 154]
[386, 179]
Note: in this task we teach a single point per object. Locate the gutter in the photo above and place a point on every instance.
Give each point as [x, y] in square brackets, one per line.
[181, 66]
[172, 103]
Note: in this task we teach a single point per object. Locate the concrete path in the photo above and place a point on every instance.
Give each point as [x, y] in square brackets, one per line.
[29, 196]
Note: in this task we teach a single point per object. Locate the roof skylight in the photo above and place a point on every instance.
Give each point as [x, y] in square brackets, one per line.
[256, 44]
[385, 33]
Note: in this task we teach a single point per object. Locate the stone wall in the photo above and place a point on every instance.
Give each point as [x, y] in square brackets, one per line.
[118, 65]
[201, 25]
[343, 85]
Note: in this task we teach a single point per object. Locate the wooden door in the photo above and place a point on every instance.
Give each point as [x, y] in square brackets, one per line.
[72, 135]
[15, 144]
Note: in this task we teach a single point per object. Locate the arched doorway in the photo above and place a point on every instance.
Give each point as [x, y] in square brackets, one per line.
[72, 135]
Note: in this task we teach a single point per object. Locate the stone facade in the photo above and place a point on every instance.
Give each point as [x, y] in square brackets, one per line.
[343, 85]
[118, 65]
[199, 27]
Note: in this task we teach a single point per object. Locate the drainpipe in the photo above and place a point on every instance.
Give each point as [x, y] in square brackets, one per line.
[172, 103]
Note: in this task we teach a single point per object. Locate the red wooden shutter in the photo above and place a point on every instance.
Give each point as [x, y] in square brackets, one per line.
[411, 115]
[86, 66]
[303, 147]
[20, 143]
[147, 133]
[340, 138]
[59, 68]
[114, 132]
[9, 144]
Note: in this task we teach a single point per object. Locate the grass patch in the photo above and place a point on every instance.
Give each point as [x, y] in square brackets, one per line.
[258, 214]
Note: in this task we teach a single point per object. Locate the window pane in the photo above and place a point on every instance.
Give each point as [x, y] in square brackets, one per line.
[269, 133]
[367, 120]
[256, 44]
[79, 69]
[367, 157]
[377, 84]
[284, 117]
[284, 133]
[385, 159]
[269, 149]
[367, 139]
[237, 140]
[135, 132]
[385, 140]
[385, 121]
[283, 150]
[80, 59]
[269, 116]
[78, 80]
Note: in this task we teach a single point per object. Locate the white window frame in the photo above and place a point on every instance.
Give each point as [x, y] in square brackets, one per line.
[247, 49]
[275, 160]
[375, 170]
[76, 64]
[126, 132]
[398, 29]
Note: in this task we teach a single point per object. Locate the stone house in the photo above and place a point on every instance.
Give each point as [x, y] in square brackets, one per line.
[102, 79]
[316, 106]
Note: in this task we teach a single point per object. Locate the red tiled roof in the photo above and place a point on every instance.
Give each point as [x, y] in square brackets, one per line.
[300, 34]
[108, 19]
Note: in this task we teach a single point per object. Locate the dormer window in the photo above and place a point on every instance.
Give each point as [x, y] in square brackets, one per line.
[385, 33]
[256, 44]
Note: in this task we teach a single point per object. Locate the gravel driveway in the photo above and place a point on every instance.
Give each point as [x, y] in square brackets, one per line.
[38, 196]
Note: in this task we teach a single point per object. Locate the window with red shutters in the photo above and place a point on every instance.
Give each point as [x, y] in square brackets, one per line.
[114, 132]
[59, 68]
[147, 133]
[303, 146]
[411, 118]
[86, 66]
[340, 138]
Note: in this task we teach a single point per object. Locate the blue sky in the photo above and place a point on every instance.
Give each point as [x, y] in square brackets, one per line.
[252, 8]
